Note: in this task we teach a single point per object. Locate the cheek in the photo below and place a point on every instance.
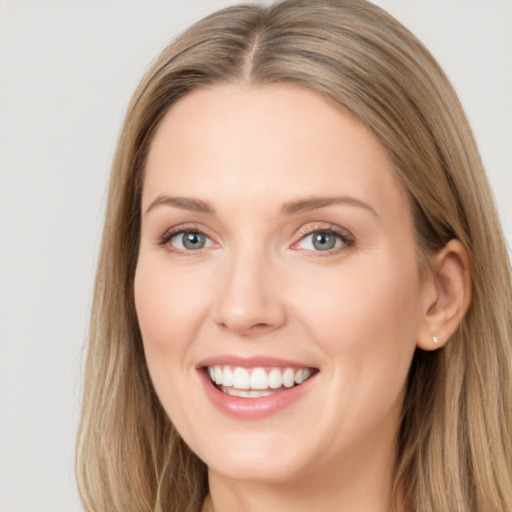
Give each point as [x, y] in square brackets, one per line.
[168, 306]
[365, 321]
[366, 314]
[168, 311]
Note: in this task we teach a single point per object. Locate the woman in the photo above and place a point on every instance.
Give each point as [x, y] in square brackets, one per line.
[303, 295]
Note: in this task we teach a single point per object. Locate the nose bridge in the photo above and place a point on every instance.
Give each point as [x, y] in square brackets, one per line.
[248, 300]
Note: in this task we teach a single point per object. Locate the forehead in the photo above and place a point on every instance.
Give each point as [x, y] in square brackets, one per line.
[270, 143]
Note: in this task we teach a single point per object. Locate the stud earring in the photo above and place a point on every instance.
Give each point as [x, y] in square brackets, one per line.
[435, 340]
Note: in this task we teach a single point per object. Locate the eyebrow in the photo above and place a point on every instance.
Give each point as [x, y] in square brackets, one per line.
[315, 203]
[185, 203]
[289, 208]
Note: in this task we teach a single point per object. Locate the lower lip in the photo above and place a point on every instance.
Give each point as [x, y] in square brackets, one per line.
[253, 408]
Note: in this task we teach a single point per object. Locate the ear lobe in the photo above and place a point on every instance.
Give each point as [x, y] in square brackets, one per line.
[448, 296]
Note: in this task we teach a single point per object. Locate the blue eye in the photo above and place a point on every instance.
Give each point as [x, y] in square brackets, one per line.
[321, 241]
[190, 241]
[324, 241]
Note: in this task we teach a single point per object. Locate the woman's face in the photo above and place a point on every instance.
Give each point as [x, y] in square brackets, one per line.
[277, 246]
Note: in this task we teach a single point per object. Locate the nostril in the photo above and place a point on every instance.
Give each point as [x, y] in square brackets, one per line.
[260, 326]
[245, 317]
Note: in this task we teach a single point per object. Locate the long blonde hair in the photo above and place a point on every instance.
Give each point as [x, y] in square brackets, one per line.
[454, 448]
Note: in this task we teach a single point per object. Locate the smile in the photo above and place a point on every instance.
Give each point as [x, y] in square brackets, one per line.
[256, 382]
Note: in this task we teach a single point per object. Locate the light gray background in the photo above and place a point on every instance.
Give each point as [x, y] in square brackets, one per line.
[68, 68]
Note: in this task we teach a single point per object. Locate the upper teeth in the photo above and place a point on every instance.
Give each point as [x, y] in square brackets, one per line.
[259, 378]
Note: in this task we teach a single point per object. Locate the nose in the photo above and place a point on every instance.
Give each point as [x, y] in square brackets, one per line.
[249, 302]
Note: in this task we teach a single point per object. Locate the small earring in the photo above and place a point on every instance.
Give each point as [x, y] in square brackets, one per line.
[435, 340]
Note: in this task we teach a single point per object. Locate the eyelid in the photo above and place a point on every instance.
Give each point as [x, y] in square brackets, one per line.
[169, 234]
[347, 238]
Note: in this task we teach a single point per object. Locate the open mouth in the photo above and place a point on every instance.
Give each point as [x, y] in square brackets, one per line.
[256, 382]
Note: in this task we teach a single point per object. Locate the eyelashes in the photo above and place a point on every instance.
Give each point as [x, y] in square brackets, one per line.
[190, 241]
[323, 241]
[315, 240]
[186, 240]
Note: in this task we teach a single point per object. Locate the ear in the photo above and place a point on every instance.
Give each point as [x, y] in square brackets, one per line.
[447, 295]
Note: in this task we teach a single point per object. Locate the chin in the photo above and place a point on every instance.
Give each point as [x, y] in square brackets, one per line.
[257, 469]
[259, 458]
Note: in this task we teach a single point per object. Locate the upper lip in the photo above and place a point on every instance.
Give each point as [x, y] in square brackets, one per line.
[250, 362]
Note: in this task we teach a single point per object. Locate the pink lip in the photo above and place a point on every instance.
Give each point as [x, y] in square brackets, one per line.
[250, 362]
[252, 408]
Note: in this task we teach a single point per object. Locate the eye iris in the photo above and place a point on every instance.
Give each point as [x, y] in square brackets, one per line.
[324, 241]
[193, 240]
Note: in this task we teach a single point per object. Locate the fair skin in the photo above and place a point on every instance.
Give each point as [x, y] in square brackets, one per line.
[266, 277]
